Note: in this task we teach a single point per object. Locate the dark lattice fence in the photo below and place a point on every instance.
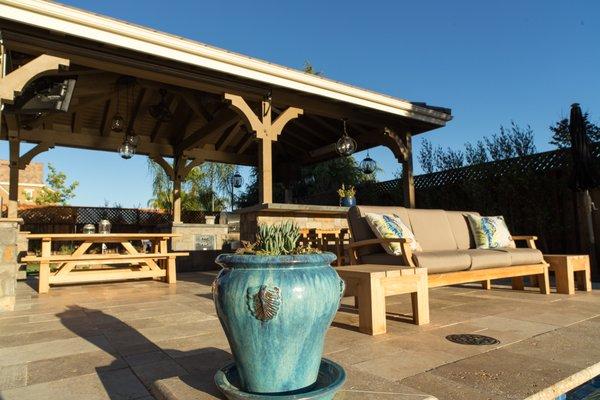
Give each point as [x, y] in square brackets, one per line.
[68, 219]
[533, 194]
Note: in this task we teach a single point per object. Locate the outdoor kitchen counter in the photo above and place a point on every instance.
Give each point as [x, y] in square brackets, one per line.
[306, 216]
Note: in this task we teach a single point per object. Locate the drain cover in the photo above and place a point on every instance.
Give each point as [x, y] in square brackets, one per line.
[475, 340]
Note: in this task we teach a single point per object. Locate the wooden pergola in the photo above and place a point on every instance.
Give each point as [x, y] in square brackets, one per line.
[225, 107]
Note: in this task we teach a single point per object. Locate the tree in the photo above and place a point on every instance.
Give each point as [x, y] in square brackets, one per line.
[426, 157]
[57, 190]
[204, 188]
[449, 159]
[513, 141]
[560, 132]
[475, 154]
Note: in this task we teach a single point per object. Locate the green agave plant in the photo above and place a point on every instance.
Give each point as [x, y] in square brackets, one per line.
[277, 239]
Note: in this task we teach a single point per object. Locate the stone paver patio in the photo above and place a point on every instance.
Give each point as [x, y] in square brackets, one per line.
[145, 339]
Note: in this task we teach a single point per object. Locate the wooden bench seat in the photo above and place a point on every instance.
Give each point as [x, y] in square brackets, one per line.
[101, 258]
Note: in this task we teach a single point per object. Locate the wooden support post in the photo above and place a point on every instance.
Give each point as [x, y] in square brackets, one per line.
[13, 186]
[265, 175]
[267, 132]
[177, 201]
[408, 183]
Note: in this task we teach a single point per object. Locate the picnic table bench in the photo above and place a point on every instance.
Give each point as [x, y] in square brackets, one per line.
[132, 264]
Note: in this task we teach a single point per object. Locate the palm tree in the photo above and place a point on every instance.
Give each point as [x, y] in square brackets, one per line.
[205, 188]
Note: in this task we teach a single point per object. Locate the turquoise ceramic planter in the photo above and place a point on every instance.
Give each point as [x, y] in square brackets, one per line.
[275, 311]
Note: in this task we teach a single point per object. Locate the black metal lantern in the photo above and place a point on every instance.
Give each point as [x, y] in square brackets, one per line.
[160, 111]
[237, 180]
[368, 165]
[345, 146]
[132, 139]
[117, 123]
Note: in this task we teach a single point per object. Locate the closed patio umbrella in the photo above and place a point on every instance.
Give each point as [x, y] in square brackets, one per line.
[585, 177]
[585, 173]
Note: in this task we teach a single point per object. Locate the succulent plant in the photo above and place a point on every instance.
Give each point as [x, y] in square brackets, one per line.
[277, 239]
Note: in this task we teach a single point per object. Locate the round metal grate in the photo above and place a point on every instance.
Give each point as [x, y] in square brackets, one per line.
[471, 339]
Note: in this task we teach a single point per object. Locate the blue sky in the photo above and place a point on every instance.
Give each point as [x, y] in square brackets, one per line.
[491, 62]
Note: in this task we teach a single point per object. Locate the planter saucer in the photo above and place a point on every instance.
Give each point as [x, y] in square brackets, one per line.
[330, 379]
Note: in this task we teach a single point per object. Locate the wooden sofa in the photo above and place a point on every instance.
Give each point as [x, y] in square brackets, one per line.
[449, 251]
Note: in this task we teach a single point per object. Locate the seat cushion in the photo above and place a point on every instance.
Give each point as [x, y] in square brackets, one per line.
[443, 261]
[482, 259]
[461, 230]
[432, 230]
[522, 256]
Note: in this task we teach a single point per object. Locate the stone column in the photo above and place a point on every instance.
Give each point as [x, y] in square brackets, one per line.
[9, 232]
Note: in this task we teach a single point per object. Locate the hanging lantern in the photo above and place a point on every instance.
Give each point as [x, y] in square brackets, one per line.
[117, 123]
[126, 150]
[133, 139]
[345, 146]
[368, 165]
[237, 180]
[160, 111]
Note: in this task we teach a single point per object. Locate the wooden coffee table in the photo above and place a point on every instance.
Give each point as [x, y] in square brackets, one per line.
[371, 283]
[568, 270]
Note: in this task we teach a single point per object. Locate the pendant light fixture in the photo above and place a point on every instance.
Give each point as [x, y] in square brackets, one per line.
[345, 146]
[368, 165]
[126, 150]
[117, 123]
[160, 111]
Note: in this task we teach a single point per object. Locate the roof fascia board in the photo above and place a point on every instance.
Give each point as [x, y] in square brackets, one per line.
[91, 26]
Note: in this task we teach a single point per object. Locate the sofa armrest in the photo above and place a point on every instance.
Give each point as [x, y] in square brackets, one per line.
[529, 239]
[404, 245]
[370, 242]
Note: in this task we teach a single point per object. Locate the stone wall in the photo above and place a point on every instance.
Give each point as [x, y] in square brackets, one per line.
[310, 218]
[9, 230]
[192, 233]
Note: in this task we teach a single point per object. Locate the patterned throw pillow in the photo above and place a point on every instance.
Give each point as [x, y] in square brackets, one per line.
[490, 232]
[391, 227]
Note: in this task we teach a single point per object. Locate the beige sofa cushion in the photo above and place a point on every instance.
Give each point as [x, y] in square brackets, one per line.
[442, 261]
[461, 230]
[432, 229]
[522, 256]
[360, 228]
[482, 259]
[434, 261]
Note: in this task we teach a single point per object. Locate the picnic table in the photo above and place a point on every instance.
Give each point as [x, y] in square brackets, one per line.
[128, 263]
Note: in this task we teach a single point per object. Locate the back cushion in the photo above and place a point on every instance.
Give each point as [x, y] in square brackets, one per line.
[432, 229]
[361, 230]
[461, 230]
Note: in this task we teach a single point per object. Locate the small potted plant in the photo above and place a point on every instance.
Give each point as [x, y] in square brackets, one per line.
[275, 300]
[347, 196]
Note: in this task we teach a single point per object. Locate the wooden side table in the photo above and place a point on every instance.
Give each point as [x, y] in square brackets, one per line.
[568, 270]
[371, 283]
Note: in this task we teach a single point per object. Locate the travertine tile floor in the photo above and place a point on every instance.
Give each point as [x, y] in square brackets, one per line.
[146, 339]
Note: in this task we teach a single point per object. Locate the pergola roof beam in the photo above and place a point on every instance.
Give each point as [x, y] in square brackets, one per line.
[224, 119]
